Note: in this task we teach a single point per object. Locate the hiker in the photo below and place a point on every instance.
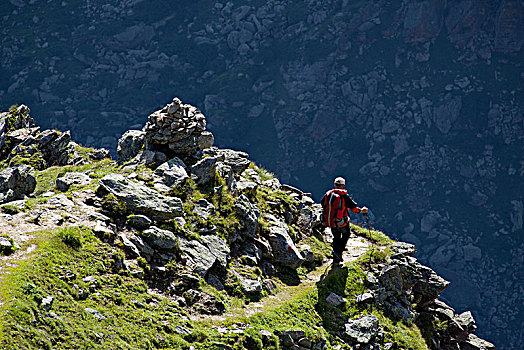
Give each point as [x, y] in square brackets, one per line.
[335, 214]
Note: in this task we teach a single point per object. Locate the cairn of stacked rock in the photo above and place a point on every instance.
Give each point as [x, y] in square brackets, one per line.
[177, 129]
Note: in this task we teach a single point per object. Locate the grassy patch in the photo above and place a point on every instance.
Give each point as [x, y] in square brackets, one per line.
[319, 248]
[25, 156]
[269, 200]
[11, 209]
[72, 236]
[409, 338]
[376, 236]
[223, 219]
[126, 316]
[297, 314]
[262, 173]
[45, 179]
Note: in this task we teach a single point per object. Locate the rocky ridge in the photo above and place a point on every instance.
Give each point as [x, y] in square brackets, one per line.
[208, 214]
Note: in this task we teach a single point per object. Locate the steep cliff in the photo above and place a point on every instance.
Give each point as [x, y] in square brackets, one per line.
[187, 246]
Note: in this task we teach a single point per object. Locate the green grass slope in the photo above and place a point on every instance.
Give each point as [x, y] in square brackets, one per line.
[96, 304]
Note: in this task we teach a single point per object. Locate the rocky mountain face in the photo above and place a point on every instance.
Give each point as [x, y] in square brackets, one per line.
[417, 103]
[183, 230]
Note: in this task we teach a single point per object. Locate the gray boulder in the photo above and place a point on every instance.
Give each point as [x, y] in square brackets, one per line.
[142, 248]
[403, 248]
[46, 138]
[399, 311]
[149, 158]
[215, 282]
[16, 182]
[63, 183]
[57, 147]
[160, 239]
[204, 209]
[430, 219]
[247, 187]
[445, 115]
[6, 246]
[284, 250]
[18, 205]
[94, 215]
[364, 298]
[361, 330]
[101, 229]
[249, 285]
[391, 279]
[139, 198]
[130, 145]
[47, 302]
[205, 140]
[200, 257]
[20, 135]
[441, 310]
[140, 222]
[218, 247]
[203, 172]
[422, 280]
[129, 247]
[335, 299]
[248, 214]
[466, 321]
[306, 218]
[475, 343]
[60, 201]
[171, 173]
[238, 161]
[95, 314]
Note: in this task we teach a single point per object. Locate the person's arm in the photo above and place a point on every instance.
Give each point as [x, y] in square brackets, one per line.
[353, 206]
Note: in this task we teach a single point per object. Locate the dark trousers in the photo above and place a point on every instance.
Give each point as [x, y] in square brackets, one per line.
[340, 238]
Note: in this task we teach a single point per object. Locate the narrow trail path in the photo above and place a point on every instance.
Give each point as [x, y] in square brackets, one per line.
[355, 248]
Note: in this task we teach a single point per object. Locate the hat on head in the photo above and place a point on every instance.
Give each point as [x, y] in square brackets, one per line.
[340, 181]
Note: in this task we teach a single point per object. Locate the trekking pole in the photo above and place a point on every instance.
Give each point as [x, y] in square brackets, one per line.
[371, 239]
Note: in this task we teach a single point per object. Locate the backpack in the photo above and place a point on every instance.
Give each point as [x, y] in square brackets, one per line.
[335, 212]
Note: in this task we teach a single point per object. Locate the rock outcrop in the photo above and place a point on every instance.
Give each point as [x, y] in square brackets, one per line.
[23, 143]
[139, 198]
[64, 183]
[177, 132]
[409, 291]
[16, 182]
